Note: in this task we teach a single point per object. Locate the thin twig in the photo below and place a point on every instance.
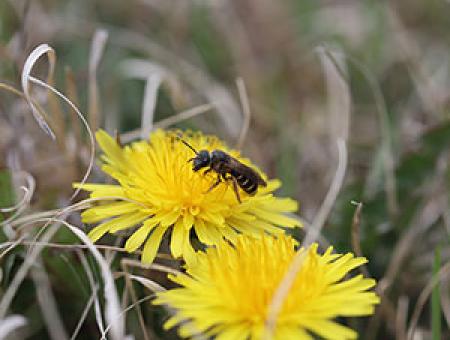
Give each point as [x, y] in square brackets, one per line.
[356, 239]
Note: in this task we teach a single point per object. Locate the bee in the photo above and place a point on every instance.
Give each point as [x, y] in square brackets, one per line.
[228, 169]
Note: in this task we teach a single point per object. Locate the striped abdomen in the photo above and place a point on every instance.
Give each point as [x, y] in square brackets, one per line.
[249, 185]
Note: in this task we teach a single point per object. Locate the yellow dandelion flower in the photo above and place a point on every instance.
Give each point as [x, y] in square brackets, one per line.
[161, 192]
[228, 291]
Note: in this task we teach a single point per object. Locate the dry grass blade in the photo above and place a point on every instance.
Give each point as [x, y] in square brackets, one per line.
[28, 189]
[152, 285]
[410, 51]
[122, 314]
[21, 273]
[338, 92]
[112, 307]
[83, 315]
[47, 302]
[402, 317]
[130, 288]
[10, 324]
[386, 138]
[80, 115]
[422, 221]
[165, 123]
[72, 94]
[94, 288]
[214, 92]
[425, 217]
[81, 205]
[153, 266]
[340, 89]
[73, 247]
[38, 52]
[36, 105]
[112, 311]
[97, 48]
[179, 117]
[356, 237]
[313, 233]
[153, 74]
[149, 104]
[246, 111]
[10, 245]
[442, 275]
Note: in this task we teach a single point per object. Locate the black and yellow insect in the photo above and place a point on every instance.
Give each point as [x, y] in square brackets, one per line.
[227, 168]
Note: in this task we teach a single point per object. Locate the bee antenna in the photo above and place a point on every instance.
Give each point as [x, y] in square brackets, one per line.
[187, 144]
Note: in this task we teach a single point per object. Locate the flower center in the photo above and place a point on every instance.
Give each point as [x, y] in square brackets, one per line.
[193, 210]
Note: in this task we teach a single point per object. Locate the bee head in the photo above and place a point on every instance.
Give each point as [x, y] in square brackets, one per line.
[202, 160]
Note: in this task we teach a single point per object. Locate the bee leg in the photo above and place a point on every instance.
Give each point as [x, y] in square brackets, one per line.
[207, 171]
[236, 189]
[215, 184]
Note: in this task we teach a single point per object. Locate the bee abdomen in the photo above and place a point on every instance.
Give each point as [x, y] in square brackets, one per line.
[248, 185]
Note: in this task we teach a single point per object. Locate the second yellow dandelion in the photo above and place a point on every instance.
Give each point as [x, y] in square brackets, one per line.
[228, 292]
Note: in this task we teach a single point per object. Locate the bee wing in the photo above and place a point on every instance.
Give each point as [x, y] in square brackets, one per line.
[247, 172]
[261, 182]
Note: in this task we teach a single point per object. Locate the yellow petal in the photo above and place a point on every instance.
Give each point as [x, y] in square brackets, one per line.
[329, 329]
[152, 245]
[101, 212]
[99, 231]
[202, 232]
[188, 221]
[189, 255]
[109, 146]
[101, 190]
[233, 332]
[122, 222]
[276, 218]
[177, 240]
[128, 221]
[169, 218]
[139, 236]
